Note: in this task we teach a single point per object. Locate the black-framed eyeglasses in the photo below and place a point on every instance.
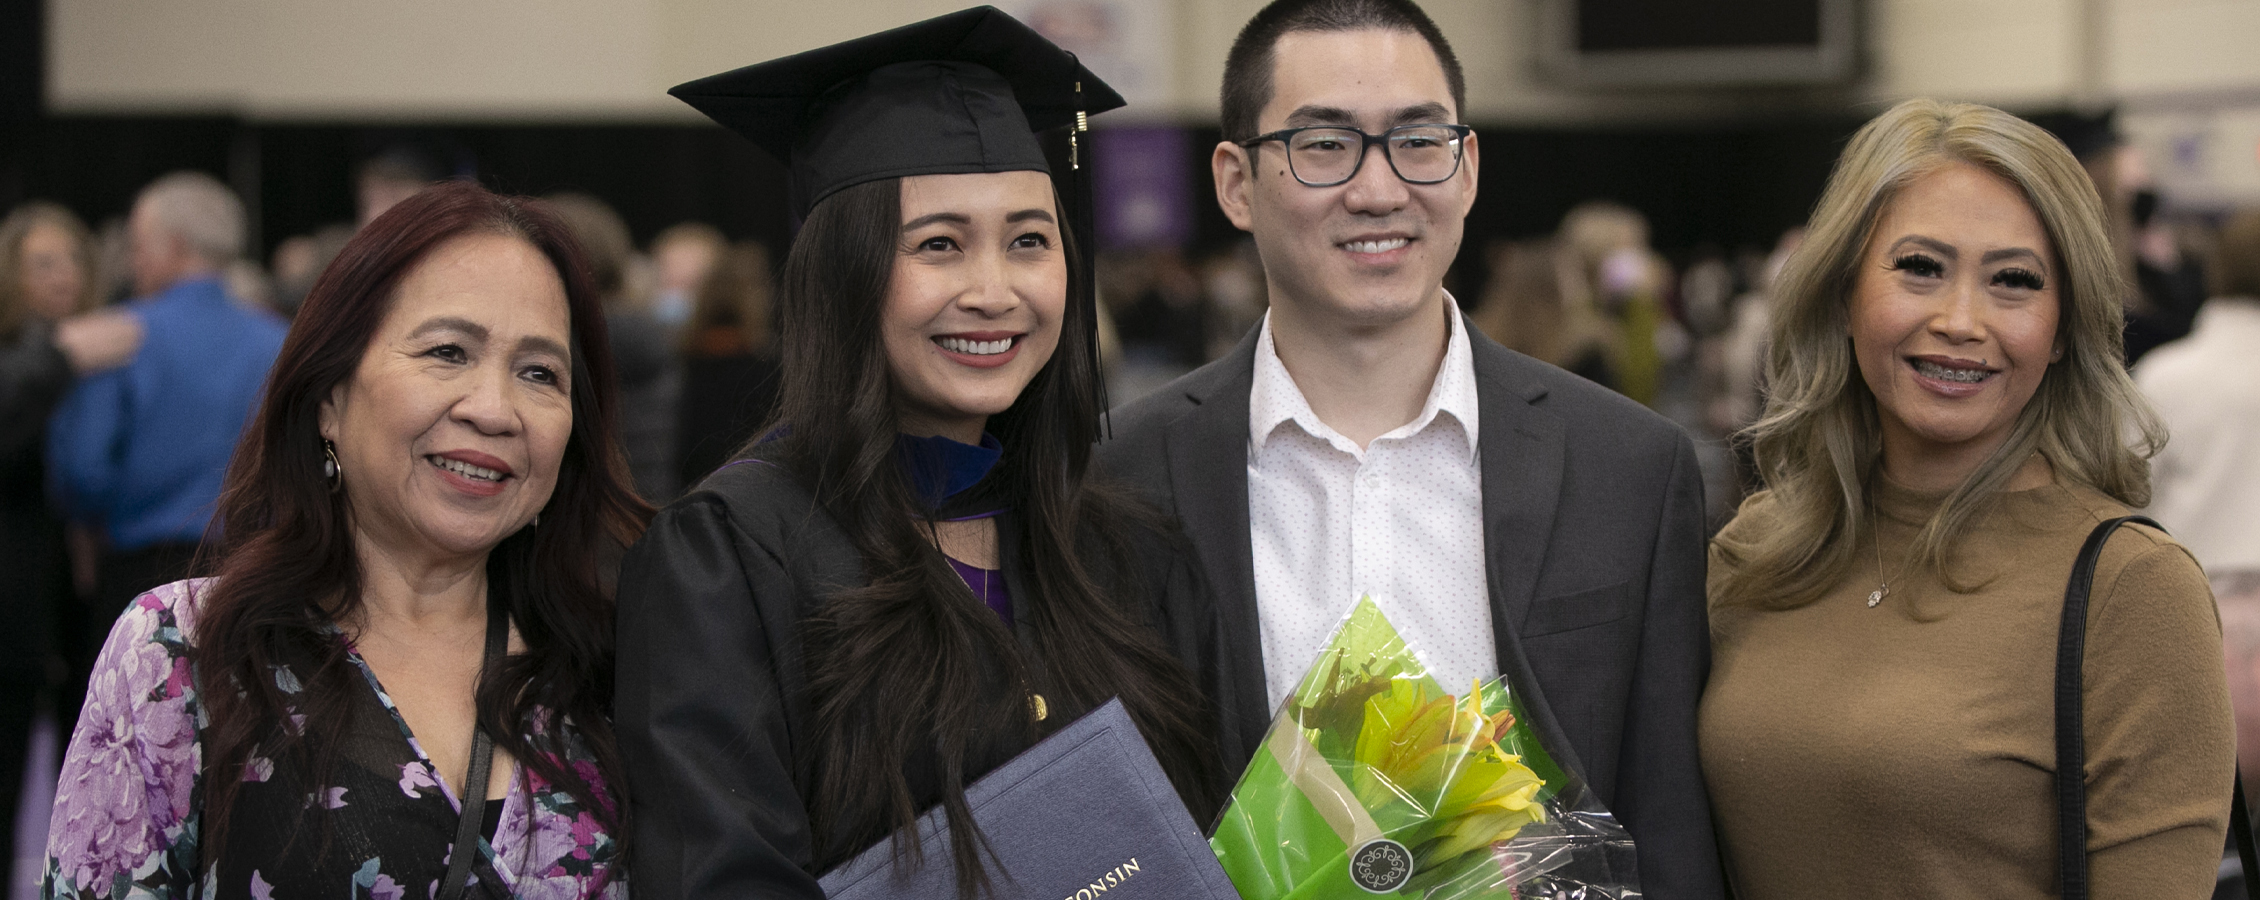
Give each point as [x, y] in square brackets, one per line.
[1327, 155]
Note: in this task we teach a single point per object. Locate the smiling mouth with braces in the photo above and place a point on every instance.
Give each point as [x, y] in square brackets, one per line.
[1949, 373]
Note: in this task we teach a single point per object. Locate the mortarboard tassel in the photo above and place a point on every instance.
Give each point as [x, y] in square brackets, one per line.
[1084, 217]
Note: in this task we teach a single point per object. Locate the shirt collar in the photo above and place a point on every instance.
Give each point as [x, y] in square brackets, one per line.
[1274, 399]
[1454, 389]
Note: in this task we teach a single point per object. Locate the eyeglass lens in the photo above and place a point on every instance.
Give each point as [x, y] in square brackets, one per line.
[1421, 154]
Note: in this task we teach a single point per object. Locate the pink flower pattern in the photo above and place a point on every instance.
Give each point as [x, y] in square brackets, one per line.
[126, 818]
[416, 775]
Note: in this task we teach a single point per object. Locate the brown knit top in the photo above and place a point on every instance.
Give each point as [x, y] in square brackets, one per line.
[1907, 750]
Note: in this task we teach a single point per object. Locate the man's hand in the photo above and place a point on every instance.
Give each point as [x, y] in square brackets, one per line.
[99, 340]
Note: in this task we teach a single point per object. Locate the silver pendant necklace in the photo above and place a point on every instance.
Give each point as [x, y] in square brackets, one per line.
[1883, 587]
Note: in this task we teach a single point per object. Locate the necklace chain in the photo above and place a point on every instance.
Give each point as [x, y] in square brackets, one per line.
[1883, 586]
[1037, 708]
[979, 593]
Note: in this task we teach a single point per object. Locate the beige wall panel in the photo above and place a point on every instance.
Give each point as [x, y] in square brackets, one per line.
[147, 54]
[613, 59]
[277, 58]
[702, 37]
[1206, 29]
[1493, 39]
[550, 57]
[2178, 46]
[2014, 53]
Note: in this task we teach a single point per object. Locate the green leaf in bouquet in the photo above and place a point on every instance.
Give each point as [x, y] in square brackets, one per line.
[1429, 766]
[1371, 746]
[1367, 639]
[1272, 838]
[1366, 657]
[1402, 748]
[1521, 740]
[1493, 798]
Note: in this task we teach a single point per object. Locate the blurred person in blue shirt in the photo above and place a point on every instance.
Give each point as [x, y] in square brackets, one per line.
[137, 452]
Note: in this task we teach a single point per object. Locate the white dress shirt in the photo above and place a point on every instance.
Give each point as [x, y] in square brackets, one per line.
[1400, 521]
[2205, 484]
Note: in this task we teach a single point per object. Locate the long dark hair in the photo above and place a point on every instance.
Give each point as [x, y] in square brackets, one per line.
[286, 570]
[898, 667]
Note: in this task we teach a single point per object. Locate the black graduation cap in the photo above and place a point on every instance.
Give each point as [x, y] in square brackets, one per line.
[962, 92]
[958, 93]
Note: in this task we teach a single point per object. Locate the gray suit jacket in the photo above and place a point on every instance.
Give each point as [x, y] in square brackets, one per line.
[1593, 535]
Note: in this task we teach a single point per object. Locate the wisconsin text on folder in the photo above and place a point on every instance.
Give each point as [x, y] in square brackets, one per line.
[1108, 879]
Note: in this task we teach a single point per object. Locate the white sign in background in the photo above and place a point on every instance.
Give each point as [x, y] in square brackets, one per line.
[1129, 43]
[2203, 159]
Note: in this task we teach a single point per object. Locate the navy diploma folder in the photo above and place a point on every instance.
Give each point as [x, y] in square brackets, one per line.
[1086, 813]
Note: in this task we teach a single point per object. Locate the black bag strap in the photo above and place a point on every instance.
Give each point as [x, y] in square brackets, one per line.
[473, 791]
[2247, 854]
[2071, 743]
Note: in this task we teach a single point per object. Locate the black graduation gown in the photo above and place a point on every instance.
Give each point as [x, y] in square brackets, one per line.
[712, 695]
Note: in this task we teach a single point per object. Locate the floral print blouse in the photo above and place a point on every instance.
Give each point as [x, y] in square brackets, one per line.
[127, 810]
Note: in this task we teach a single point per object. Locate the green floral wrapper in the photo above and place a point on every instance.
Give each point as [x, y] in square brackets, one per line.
[1376, 780]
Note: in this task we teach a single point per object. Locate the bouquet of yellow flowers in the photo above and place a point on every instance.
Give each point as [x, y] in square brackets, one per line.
[1374, 780]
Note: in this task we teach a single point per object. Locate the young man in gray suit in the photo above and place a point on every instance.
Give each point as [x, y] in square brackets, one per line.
[1364, 441]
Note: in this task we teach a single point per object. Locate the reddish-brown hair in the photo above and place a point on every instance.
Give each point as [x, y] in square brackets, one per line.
[283, 558]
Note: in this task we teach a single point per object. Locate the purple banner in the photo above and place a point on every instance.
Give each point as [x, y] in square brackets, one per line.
[1142, 191]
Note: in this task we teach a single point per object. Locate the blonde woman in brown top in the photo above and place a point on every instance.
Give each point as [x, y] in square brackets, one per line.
[1949, 419]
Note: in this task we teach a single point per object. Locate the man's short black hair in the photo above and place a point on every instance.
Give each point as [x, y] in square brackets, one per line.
[1248, 68]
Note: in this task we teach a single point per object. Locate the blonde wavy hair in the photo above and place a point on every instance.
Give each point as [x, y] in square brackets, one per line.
[1819, 441]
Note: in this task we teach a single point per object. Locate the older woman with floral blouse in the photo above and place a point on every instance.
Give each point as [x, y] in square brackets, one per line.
[405, 616]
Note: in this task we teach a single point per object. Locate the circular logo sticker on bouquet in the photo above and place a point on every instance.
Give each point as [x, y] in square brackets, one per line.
[1381, 866]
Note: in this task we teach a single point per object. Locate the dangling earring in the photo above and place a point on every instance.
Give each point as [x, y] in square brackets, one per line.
[330, 471]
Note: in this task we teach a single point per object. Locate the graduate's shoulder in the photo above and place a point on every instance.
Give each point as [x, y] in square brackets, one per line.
[759, 499]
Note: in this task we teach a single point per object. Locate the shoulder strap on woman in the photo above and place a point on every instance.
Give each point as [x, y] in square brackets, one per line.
[473, 791]
[2247, 853]
[2071, 744]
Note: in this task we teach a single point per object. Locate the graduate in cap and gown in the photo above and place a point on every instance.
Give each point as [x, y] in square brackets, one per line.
[905, 580]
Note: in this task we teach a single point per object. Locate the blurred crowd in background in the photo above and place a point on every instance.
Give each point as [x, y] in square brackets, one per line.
[1679, 329]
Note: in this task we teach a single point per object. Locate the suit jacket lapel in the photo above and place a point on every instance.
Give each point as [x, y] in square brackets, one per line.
[1208, 471]
[1522, 447]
